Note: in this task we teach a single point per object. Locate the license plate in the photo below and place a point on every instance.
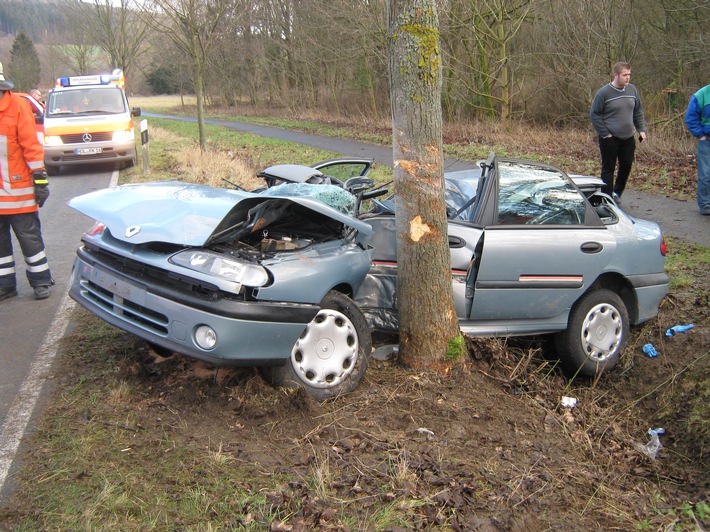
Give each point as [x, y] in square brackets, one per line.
[117, 287]
[87, 151]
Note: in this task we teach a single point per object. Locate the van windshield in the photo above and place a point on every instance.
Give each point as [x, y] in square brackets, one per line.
[85, 101]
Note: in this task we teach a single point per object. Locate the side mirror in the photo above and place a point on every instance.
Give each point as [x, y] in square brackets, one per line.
[136, 111]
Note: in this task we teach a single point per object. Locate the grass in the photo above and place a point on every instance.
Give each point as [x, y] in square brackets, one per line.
[682, 263]
[91, 477]
[231, 155]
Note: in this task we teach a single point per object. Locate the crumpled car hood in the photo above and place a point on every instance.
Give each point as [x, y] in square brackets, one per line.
[187, 214]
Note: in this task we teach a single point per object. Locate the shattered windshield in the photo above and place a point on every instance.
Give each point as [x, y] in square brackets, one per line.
[333, 196]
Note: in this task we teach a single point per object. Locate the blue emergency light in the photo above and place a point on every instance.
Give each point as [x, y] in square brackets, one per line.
[114, 78]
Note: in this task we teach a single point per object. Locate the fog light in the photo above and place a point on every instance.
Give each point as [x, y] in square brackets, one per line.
[205, 337]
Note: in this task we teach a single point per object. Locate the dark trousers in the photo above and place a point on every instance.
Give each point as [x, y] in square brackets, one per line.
[615, 150]
[28, 231]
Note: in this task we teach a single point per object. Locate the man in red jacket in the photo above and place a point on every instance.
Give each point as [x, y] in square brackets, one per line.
[23, 189]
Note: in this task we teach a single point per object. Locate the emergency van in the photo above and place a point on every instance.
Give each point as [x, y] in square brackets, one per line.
[87, 120]
[38, 112]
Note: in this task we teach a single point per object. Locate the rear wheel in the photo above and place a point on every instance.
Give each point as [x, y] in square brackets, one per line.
[597, 331]
[332, 354]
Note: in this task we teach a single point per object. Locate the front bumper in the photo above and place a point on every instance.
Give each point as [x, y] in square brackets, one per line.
[65, 155]
[249, 333]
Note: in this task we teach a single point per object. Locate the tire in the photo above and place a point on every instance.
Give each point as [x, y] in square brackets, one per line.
[332, 354]
[596, 334]
[131, 163]
[52, 170]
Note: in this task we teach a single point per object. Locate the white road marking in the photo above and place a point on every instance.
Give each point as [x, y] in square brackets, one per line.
[18, 417]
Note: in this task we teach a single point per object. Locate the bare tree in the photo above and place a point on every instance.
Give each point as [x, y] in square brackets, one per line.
[80, 57]
[481, 38]
[192, 25]
[115, 27]
[428, 324]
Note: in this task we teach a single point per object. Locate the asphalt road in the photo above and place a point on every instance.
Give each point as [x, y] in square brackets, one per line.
[30, 330]
[678, 219]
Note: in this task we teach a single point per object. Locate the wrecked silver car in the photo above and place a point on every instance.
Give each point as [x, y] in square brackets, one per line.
[292, 277]
[232, 277]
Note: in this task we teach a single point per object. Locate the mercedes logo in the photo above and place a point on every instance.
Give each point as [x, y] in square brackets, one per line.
[86, 137]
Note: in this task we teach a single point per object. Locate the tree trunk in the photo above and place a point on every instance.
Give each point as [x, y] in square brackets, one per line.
[428, 323]
[506, 94]
[484, 69]
[199, 93]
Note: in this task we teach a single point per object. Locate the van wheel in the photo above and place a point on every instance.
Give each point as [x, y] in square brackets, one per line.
[52, 170]
[332, 354]
[596, 334]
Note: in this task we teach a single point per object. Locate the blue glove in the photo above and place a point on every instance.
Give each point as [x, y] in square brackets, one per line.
[650, 350]
[678, 329]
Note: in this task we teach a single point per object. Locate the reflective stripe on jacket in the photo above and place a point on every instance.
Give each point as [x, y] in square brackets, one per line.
[20, 154]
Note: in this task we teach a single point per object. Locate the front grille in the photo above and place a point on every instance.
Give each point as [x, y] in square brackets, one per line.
[128, 311]
[78, 138]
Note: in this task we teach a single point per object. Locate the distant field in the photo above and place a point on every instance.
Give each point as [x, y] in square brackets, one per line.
[161, 102]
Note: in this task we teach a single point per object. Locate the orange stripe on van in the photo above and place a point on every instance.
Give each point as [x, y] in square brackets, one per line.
[87, 128]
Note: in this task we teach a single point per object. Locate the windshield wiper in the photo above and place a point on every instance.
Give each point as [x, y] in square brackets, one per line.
[94, 112]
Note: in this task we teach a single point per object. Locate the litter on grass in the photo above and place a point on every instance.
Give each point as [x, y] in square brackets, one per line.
[678, 329]
[650, 350]
[569, 402]
[653, 446]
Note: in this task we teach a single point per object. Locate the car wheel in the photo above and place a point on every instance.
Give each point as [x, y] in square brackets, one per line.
[52, 170]
[597, 331]
[332, 354]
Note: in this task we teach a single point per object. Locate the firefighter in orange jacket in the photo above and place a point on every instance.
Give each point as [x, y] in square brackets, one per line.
[23, 189]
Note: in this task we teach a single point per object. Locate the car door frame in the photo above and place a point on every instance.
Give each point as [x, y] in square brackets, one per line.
[510, 289]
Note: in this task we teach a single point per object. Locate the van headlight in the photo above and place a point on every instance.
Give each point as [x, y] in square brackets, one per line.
[229, 269]
[52, 140]
[121, 136]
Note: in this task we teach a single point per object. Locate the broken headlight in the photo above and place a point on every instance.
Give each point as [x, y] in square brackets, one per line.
[229, 269]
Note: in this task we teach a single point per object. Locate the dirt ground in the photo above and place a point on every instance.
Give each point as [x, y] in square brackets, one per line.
[489, 447]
